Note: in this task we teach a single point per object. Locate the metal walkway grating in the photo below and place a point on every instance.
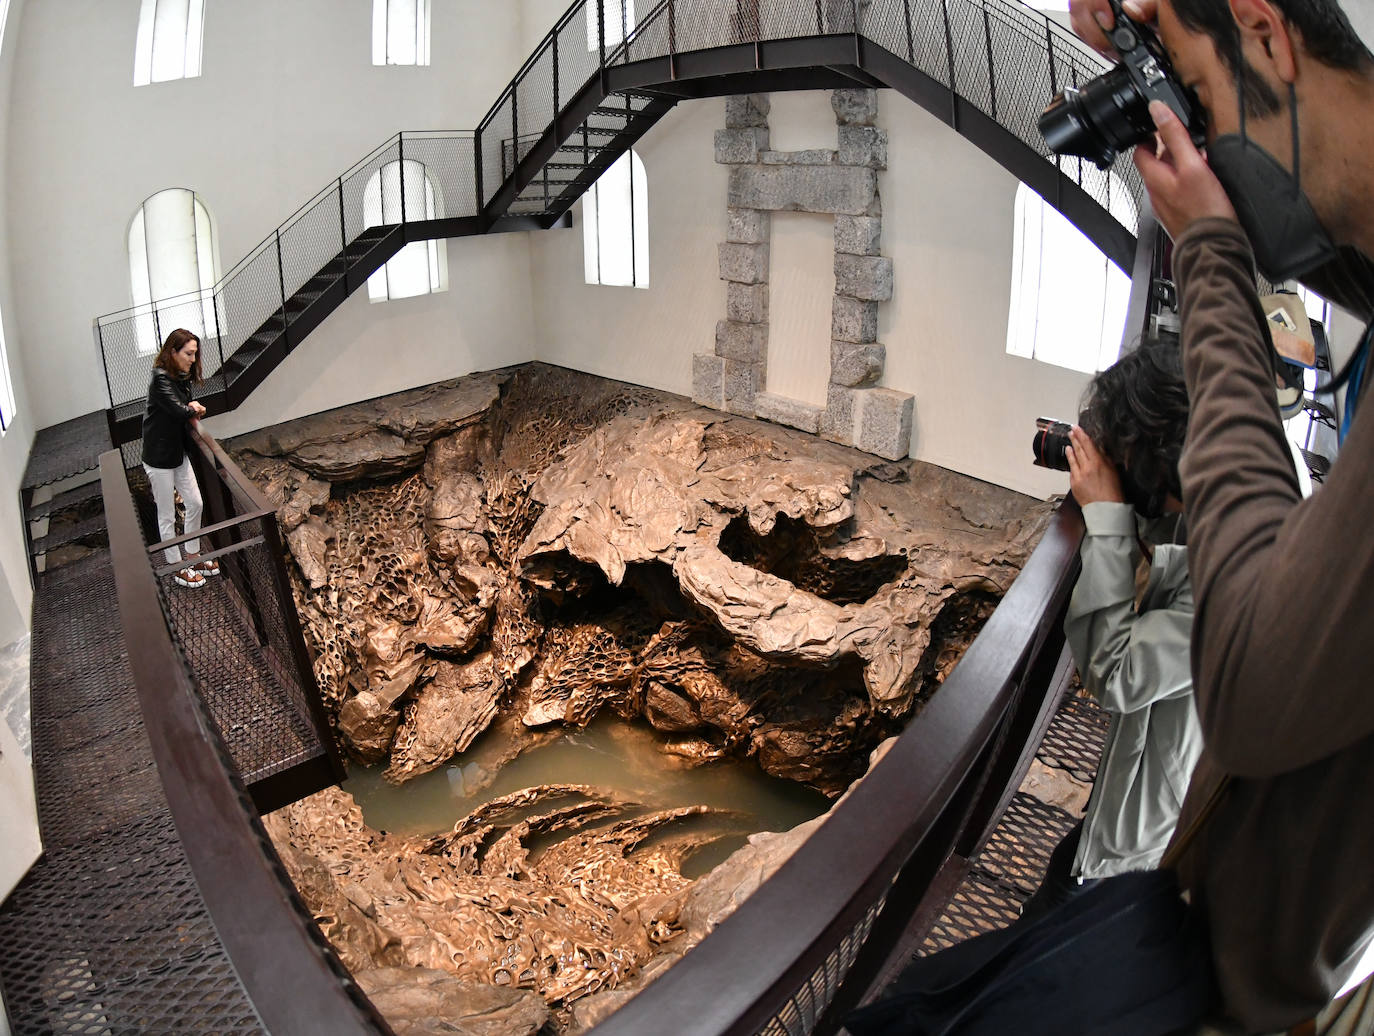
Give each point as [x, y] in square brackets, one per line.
[1009, 869]
[107, 933]
[67, 449]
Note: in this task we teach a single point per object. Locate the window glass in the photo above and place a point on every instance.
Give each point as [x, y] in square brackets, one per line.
[173, 261]
[7, 405]
[400, 32]
[620, 22]
[169, 41]
[615, 225]
[1068, 300]
[421, 267]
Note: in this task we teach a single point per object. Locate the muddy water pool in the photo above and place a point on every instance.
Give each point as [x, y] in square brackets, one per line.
[625, 758]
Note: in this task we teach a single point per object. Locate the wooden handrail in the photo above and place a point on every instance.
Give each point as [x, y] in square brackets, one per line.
[293, 978]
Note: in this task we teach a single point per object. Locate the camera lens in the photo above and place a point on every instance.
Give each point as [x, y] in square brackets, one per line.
[1051, 443]
[1097, 122]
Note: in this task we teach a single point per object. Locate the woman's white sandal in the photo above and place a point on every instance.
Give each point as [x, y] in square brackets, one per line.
[189, 577]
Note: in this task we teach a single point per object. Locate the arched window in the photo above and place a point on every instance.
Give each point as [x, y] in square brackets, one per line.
[173, 255]
[1068, 300]
[615, 225]
[6, 387]
[169, 40]
[421, 267]
[400, 32]
[620, 22]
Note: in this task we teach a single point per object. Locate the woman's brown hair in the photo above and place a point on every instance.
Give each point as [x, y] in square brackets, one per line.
[176, 341]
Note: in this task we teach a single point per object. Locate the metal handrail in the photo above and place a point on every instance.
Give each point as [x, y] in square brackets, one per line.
[289, 971]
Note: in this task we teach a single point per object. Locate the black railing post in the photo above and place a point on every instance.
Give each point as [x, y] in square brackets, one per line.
[992, 76]
[557, 137]
[281, 282]
[157, 325]
[401, 150]
[514, 129]
[949, 58]
[601, 40]
[624, 31]
[672, 39]
[820, 19]
[854, 13]
[910, 39]
[219, 334]
[343, 227]
[1049, 49]
[477, 170]
[109, 388]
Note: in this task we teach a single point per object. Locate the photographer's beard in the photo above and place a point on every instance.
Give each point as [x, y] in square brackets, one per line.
[1287, 238]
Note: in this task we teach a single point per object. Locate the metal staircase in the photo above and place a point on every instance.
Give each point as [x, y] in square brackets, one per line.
[985, 67]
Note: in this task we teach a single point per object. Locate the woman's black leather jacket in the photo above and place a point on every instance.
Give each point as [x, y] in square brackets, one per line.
[166, 420]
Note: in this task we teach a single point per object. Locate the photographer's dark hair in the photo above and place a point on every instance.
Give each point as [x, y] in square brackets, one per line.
[1323, 26]
[1136, 412]
[176, 341]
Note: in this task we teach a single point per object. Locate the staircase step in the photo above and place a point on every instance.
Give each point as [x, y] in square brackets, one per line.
[69, 498]
[302, 300]
[68, 534]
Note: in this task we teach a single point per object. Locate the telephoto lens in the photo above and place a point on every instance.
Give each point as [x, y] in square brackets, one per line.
[1111, 113]
[1051, 443]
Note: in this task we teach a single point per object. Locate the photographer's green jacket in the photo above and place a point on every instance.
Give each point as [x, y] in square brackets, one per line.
[1135, 662]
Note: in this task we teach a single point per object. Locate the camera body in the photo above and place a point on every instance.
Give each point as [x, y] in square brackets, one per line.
[1111, 113]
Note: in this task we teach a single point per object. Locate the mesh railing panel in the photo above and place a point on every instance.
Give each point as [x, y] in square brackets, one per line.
[809, 1001]
[252, 298]
[497, 134]
[448, 162]
[534, 110]
[363, 180]
[577, 62]
[311, 240]
[235, 638]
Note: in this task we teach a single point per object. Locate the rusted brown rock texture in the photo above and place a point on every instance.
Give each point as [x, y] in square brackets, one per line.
[525, 549]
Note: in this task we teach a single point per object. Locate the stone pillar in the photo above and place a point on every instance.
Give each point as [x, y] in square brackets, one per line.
[842, 182]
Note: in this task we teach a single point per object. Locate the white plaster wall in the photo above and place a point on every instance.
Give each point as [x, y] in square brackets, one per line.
[15, 594]
[18, 811]
[947, 223]
[288, 99]
[645, 335]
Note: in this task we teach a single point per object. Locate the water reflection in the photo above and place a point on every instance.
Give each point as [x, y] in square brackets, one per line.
[610, 753]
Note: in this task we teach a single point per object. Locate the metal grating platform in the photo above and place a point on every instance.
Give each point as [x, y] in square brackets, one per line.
[107, 933]
[1075, 738]
[67, 449]
[1009, 869]
[1004, 875]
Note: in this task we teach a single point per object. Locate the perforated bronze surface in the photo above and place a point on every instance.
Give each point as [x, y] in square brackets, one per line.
[107, 933]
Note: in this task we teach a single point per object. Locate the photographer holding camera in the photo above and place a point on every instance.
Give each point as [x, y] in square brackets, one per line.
[1123, 471]
[1281, 869]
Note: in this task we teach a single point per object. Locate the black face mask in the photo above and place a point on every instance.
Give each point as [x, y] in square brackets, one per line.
[1283, 228]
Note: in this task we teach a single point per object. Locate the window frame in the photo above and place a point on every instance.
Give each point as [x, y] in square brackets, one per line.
[147, 330]
[631, 200]
[379, 199]
[384, 17]
[156, 38]
[1034, 221]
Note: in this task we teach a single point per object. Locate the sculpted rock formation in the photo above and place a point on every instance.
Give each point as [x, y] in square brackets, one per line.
[515, 553]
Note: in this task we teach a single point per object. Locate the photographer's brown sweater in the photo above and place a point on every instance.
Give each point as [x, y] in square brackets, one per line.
[1282, 647]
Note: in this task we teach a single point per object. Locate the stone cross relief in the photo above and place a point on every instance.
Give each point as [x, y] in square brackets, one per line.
[843, 183]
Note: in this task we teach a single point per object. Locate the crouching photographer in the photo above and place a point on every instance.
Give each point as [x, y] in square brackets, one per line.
[1134, 660]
